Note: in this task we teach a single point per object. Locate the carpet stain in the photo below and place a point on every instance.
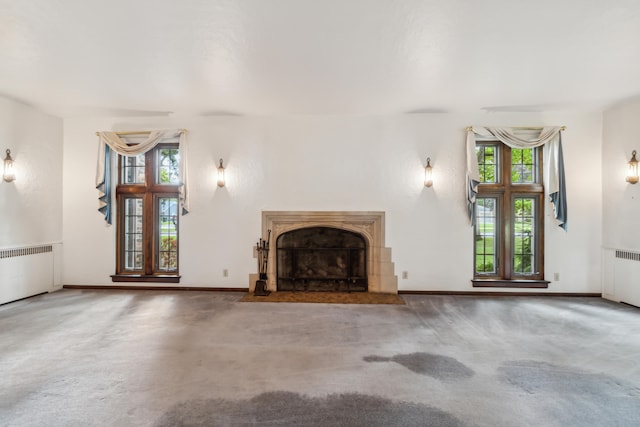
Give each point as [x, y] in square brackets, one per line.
[533, 377]
[578, 396]
[443, 368]
[292, 409]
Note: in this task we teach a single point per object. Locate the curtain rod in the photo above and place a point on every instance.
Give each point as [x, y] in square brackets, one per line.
[563, 128]
[139, 132]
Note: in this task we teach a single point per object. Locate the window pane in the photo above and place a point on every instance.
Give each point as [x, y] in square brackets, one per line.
[168, 160]
[133, 169]
[524, 209]
[133, 243]
[488, 163]
[486, 235]
[523, 165]
[167, 234]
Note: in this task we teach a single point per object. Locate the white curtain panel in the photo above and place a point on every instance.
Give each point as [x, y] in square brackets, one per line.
[126, 148]
[554, 165]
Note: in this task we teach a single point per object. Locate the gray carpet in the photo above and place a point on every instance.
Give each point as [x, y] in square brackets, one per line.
[132, 358]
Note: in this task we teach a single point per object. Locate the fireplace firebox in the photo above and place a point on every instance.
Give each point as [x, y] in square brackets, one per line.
[321, 259]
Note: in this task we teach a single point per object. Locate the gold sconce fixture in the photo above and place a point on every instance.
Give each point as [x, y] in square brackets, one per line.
[632, 171]
[428, 173]
[221, 174]
[8, 175]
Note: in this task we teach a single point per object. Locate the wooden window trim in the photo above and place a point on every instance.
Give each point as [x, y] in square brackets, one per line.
[148, 191]
[506, 192]
[157, 278]
[504, 283]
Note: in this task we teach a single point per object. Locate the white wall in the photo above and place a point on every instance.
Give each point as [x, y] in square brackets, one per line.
[30, 206]
[333, 163]
[621, 200]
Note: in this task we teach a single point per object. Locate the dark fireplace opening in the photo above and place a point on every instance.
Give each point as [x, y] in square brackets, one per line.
[321, 259]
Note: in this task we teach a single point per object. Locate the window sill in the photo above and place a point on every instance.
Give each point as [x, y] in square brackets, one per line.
[502, 283]
[144, 278]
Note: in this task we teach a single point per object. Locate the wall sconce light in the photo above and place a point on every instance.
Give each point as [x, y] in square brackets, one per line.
[428, 174]
[8, 174]
[220, 174]
[632, 172]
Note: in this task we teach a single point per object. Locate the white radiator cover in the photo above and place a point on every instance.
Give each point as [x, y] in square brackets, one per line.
[621, 275]
[29, 270]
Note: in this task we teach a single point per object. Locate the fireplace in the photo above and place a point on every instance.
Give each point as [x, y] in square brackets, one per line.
[321, 259]
[370, 268]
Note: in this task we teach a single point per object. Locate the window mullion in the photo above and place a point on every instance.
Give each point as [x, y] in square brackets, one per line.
[507, 241]
[500, 235]
[540, 235]
[149, 213]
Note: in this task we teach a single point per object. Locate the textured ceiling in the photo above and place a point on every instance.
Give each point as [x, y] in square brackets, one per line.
[272, 57]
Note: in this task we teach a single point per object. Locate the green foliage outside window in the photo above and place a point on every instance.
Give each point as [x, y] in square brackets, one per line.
[522, 165]
[168, 253]
[169, 169]
[487, 164]
[523, 235]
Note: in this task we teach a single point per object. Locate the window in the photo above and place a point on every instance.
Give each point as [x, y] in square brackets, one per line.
[509, 239]
[147, 202]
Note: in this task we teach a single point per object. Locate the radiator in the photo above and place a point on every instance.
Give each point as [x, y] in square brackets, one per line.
[621, 275]
[29, 270]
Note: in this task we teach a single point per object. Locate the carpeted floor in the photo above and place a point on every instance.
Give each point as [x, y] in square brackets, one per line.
[162, 358]
[326, 298]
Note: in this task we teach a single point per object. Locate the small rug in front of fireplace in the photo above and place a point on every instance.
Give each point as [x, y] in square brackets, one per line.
[327, 297]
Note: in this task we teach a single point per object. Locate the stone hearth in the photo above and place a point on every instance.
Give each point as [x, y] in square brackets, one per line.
[371, 225]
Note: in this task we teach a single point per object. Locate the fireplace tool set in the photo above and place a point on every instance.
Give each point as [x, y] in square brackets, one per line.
[262, 248]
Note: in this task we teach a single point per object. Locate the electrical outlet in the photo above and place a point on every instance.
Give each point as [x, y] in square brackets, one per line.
[225, 273]
[556, 277]
[405, 274]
